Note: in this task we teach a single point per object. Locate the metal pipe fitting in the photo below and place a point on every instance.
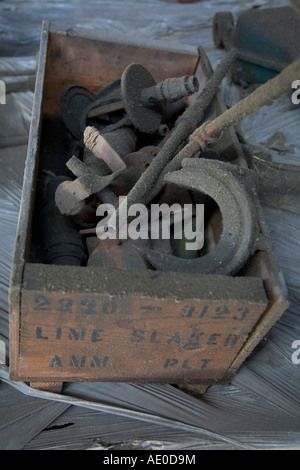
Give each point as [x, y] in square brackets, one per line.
[97, 143]
[170, 90]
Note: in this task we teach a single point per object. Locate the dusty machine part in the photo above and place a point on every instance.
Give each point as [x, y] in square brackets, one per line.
[143, 98]
[100, 147]
[64, 245]
[122, 140]
[263, 95]
[87, 216]
[296, 7]
[267, 41]
[70, 196]
[111, 253]
[73, 101]
[27, 84]
[80, 168]
[112, 90]
[187, 122]
[163, 130]
[105, 110]
[210, 131]
[226, 184]
[77, 167]
[170, 90]
[79, 106]
[178, 246]
[223, 27]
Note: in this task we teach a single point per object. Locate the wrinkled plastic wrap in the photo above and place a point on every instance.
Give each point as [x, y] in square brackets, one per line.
[260, 407]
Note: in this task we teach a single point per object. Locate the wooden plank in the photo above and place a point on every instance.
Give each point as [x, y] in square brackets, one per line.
[189, 332]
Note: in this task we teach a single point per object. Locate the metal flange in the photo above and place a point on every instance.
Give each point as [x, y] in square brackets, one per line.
[223, 182]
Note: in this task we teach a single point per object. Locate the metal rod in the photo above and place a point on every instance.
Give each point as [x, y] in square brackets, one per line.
[97, 143]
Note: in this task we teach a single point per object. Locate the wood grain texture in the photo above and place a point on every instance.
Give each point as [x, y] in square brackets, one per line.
[189, 332]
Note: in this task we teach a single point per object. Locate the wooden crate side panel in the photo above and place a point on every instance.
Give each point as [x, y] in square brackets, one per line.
[24, 222]
[144, 334]
[103, 338]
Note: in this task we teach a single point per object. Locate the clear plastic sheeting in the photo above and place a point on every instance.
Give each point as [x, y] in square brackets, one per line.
[260, 407]
[146, 21]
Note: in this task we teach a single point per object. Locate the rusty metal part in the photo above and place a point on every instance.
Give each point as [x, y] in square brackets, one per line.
[63, 244]
[227, 185]
[112, 90]
[187, 122]
[97, 143]
[170, 90]
[77, 167]
[110, 253]
[73, 101]
[140, 93]
[267, 41]
[70, 196]
[210, 131]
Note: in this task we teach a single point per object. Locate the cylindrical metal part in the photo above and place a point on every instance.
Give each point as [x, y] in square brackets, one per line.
[170, 90]
[97, 143]
[262, 96]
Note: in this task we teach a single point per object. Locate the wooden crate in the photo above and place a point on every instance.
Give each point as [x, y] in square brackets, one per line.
[88, 324]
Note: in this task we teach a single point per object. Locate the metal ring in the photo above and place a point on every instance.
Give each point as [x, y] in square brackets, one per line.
[221, 181]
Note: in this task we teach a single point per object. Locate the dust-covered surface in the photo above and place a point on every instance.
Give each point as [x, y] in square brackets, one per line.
[260, 407]
[150, 283]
